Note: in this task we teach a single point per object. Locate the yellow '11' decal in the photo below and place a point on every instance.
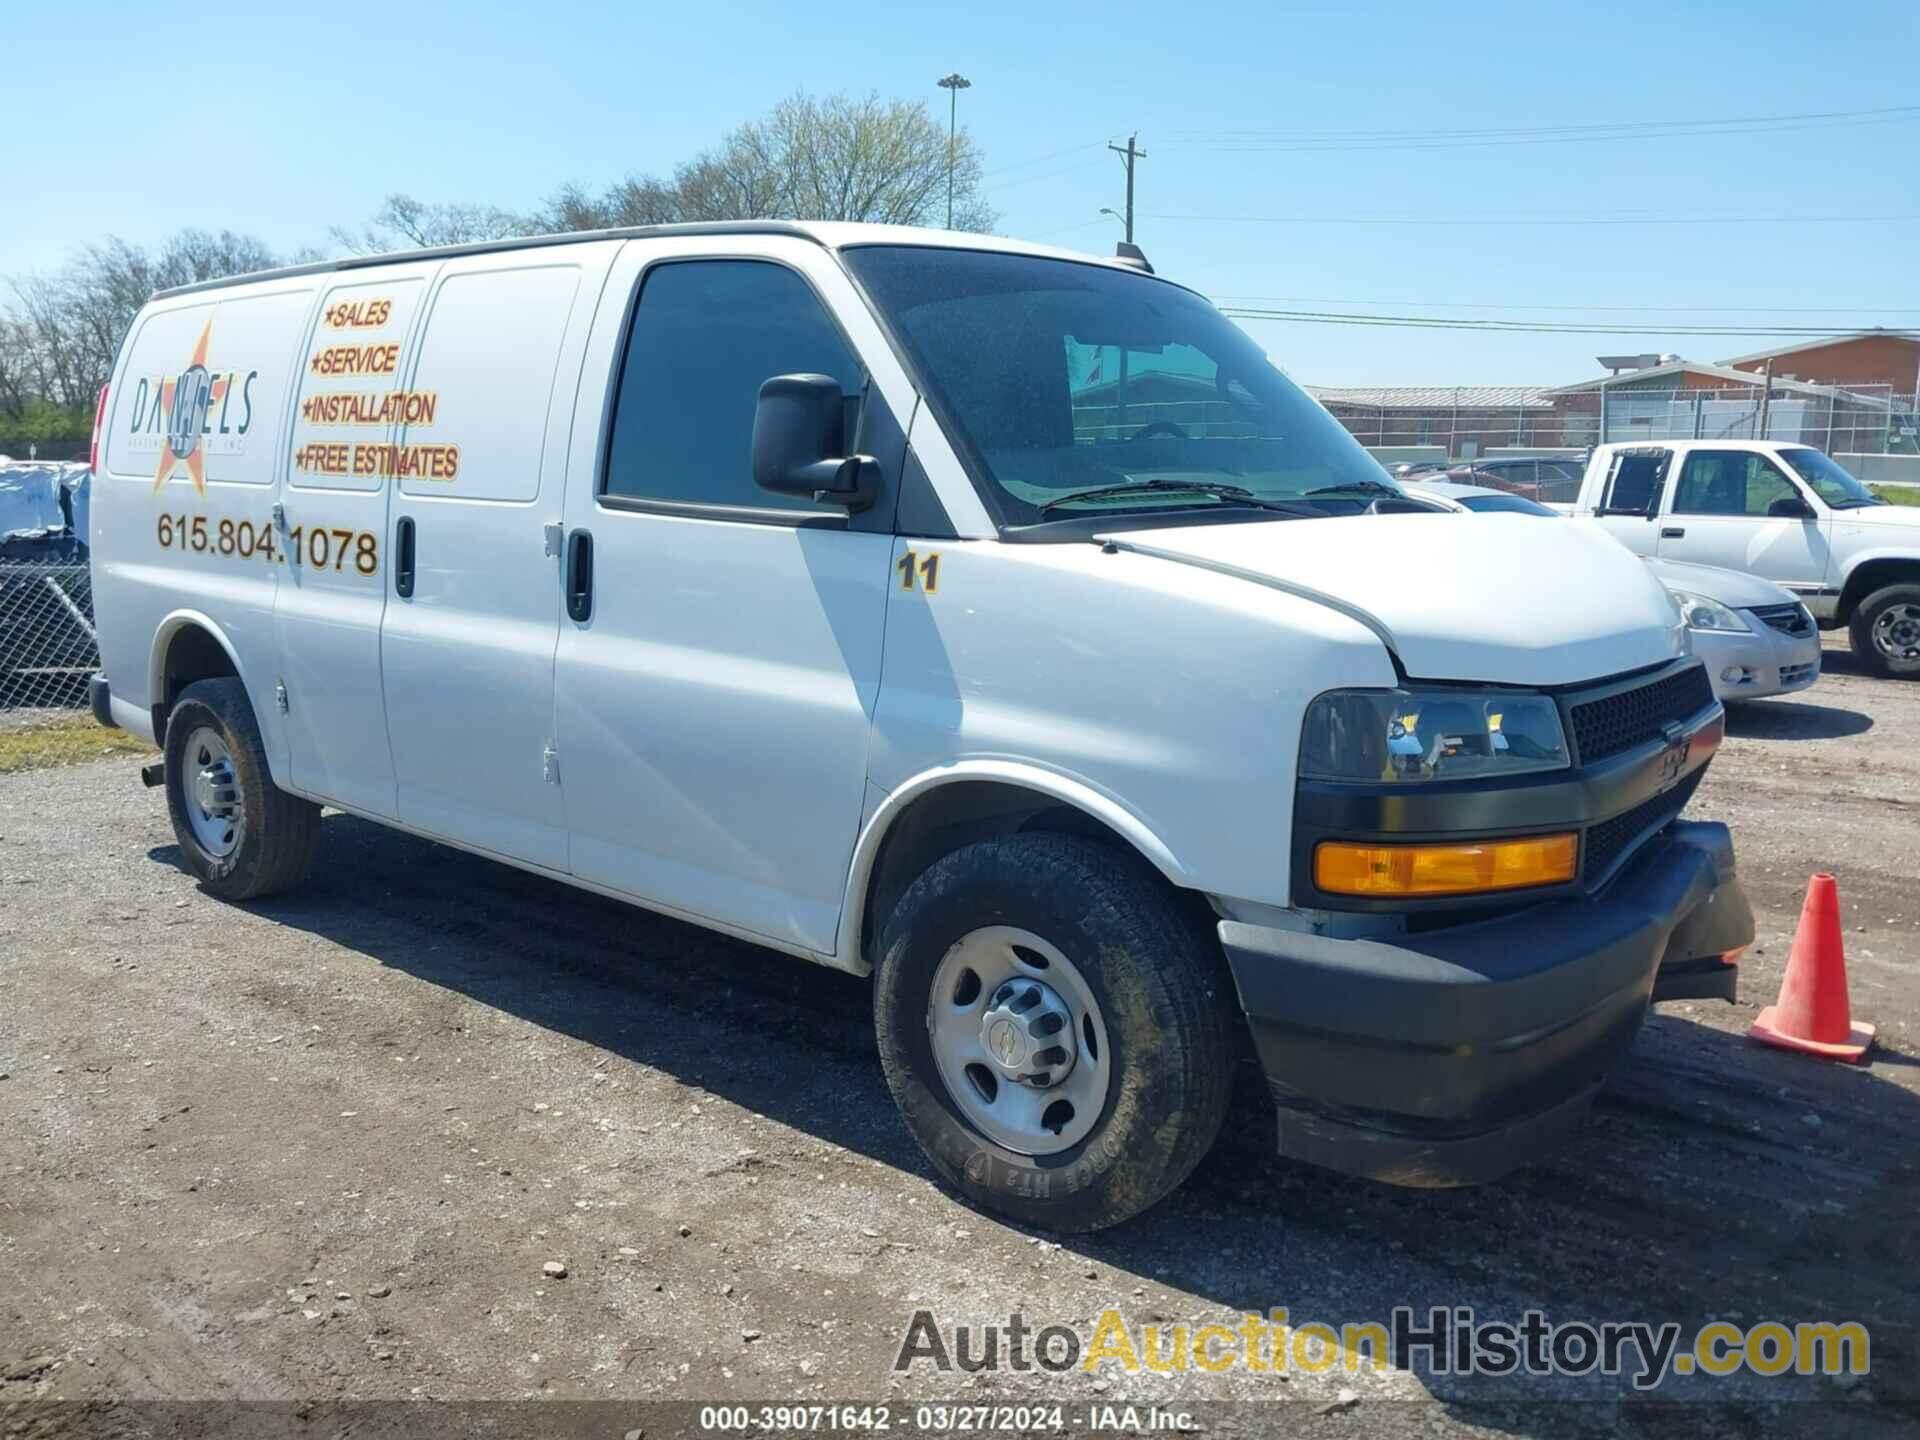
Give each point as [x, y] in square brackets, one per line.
[909, 565]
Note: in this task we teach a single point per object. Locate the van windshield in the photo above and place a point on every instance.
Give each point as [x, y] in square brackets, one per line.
[1056, 377]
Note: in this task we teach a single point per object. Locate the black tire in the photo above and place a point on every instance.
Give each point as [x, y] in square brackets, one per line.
[1865, 615]
[1162, 990]
[276, 843]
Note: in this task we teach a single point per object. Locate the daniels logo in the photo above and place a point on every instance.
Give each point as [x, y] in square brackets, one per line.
[193, 414]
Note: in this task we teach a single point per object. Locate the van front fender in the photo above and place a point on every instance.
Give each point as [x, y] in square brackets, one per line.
[1048, 786]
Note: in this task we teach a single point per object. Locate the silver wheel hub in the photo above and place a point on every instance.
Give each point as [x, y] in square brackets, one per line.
[1019, 1040]
[1028, 1034]
[1896, 632]
[212, 793]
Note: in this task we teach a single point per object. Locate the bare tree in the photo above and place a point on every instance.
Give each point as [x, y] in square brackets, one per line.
[403, 222]
[62, 330]
[637, 200]
[838, 158]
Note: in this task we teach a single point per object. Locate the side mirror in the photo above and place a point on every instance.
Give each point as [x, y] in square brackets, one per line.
[1790, 507]
[799, 444]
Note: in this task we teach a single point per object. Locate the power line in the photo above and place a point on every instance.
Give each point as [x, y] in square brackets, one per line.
[1607, 309]
[1072, 169]
[1525, 327]
[1040, 159]
[1608, 218]
[1550, 129]
[1299, 141]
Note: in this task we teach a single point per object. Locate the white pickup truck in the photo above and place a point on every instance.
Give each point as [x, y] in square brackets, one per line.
[1784, 512]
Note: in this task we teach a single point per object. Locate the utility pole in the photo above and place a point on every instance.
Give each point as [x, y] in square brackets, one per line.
[1127, 157]
[953, 84]
[1766, 399]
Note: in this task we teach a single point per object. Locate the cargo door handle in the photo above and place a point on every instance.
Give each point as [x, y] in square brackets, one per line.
[403, 558]
[1673, 532]
[580, 576]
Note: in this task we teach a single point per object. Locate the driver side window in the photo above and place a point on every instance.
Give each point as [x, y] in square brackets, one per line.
[1730, 482]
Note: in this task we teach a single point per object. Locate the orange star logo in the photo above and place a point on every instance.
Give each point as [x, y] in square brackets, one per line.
[185, 400]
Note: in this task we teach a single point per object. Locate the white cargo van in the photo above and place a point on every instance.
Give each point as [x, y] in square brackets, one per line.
[962, 613]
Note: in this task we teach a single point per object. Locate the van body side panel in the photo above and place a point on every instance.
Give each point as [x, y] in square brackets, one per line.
[714, 712]
[468, 655]
[1176, 692]
[335, 535]
[182, 513]
[720, 706]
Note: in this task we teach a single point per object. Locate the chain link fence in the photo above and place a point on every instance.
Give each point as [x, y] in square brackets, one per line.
[1468, 422]
[47, 642]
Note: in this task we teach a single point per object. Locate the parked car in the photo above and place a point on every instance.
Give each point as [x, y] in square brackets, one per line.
[826, 586]
[1550, 479]
[1786, 513]
[1754, 637]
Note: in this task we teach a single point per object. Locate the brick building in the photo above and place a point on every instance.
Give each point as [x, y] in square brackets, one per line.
[1866, 357]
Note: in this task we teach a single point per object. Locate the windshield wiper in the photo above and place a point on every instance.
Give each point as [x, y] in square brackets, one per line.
[1357, 487]
[1231, 494]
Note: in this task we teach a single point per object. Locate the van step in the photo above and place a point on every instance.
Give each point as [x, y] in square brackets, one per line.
[154, 775]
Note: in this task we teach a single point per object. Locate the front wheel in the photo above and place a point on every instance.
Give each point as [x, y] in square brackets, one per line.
[1886, 631]
[241, 834]
[1056, 1034]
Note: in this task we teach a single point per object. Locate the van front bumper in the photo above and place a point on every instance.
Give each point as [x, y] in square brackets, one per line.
[1454, 1056]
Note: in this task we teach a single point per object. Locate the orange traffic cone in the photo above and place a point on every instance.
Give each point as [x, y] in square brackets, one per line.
[1811, 1013]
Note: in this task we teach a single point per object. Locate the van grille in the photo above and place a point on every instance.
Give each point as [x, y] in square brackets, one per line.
[1618, 722]
[1611, 841]
[1787, 619]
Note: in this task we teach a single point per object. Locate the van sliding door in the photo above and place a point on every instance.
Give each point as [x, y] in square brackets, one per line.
[333, 536]
[469, 631]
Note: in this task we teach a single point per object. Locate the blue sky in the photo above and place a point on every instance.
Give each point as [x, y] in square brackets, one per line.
[137, 120]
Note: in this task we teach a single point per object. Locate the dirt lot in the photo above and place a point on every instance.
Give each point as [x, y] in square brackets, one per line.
[322, 1149]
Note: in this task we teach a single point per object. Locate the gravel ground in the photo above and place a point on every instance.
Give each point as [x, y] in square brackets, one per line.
[332, 1147]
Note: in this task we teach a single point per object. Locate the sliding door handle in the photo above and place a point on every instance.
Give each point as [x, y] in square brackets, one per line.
[403, 558]
[580, 576]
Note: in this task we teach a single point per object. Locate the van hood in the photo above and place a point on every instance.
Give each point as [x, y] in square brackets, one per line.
[1506, 599]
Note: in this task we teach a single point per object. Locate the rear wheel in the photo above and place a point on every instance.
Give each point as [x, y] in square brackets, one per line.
[1886, 631]
[1054, 1031]
[241, 834]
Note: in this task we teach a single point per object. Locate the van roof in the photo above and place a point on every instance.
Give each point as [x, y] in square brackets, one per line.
[831, 234]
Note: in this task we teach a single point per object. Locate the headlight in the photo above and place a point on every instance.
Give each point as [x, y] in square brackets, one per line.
[1413, 735]
[1700, 613]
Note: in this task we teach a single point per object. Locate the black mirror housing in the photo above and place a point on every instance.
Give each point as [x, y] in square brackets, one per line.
[1790, 507]
[800, 445]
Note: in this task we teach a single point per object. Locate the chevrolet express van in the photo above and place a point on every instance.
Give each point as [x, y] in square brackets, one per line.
[990, 620]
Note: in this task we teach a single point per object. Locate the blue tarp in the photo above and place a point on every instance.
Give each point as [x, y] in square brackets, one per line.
[43, 511]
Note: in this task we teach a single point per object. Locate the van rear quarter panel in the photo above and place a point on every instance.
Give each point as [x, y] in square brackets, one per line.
[195, 432]
[1176, 693]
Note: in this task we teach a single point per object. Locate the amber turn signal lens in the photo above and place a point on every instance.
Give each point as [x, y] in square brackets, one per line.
[1383, 870]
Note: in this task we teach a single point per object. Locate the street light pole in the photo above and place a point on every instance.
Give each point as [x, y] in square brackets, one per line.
[953, 84]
